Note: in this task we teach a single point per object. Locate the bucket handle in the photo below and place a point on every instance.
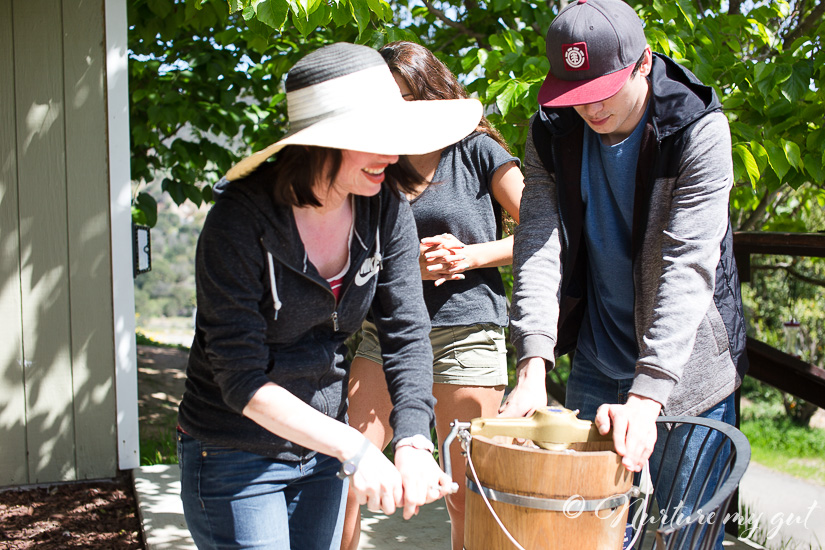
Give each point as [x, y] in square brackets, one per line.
[460, 430]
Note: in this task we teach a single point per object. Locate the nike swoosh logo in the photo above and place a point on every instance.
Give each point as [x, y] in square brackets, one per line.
[370, 267]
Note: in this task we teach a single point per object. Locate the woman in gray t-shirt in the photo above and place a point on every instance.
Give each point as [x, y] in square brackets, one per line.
[458, 217]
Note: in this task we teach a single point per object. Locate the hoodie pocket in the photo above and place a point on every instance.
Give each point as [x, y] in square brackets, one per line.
[717, 326]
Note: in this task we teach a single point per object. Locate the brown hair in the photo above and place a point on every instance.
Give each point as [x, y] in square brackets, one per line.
[638, 64]
[428, 77]
[295, 170]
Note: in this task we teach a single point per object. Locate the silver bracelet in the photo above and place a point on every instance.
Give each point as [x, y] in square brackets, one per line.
[350, 466]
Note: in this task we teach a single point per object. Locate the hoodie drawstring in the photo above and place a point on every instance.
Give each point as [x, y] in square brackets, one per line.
[272, 286]
[378, 246]
[271, 261]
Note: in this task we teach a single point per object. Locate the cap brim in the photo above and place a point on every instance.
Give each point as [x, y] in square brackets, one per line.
[569, 93]
[400, 128]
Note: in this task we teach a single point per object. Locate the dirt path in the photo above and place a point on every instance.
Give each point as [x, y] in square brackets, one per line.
[161, 378]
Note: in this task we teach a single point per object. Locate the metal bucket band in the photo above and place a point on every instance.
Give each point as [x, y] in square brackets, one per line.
[569, 506]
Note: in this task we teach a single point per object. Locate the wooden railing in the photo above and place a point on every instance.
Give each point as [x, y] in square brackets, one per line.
[767, 364]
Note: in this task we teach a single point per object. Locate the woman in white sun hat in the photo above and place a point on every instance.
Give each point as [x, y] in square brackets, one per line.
[304, 239]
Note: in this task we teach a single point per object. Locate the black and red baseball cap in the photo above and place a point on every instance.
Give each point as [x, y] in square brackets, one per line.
[592, 46]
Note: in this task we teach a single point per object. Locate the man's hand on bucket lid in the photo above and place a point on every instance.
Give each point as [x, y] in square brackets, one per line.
[530, 393]
[634, 428]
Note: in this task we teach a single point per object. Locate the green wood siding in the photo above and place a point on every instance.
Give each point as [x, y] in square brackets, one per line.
[58, 177]
[13, 468]
[87, 184]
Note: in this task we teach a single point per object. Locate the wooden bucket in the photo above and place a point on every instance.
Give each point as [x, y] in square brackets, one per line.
[545, 498]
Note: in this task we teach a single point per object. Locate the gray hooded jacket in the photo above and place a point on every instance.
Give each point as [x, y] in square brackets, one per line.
[689, 323]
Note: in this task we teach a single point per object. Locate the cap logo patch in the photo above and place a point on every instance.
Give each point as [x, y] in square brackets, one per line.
[575, 56]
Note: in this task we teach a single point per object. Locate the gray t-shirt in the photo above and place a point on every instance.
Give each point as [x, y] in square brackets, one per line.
[460, 202]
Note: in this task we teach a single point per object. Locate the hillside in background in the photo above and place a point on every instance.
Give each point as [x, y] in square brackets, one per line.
[165, 296]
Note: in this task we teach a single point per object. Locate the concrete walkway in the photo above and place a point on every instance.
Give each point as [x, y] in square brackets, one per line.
[784, 508]
[161, 513]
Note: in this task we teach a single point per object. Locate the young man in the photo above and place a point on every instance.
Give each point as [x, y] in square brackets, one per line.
[625, 236]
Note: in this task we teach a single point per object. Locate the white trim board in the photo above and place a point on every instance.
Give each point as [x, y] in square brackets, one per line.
[123, 292]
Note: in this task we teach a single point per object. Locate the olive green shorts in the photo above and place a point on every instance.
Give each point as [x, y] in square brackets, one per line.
[473, 355]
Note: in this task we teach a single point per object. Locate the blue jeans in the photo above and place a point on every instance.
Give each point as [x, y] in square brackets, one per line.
[234, 499]
[588, 388]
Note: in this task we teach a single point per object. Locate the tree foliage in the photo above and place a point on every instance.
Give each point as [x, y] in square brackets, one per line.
[206, 80]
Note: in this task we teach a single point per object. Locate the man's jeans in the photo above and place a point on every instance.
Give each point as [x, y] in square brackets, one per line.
[588, 388]
[235, 499]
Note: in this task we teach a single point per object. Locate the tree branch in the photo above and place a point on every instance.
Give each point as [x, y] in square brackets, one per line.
[755, 218]
[805, 26]
[481, 38]
[790, 270]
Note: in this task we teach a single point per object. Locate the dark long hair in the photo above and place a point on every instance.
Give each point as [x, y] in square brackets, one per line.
[295, 170]
[428, 78]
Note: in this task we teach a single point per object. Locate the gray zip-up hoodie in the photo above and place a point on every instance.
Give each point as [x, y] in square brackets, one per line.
[690, 329]
[266, 315]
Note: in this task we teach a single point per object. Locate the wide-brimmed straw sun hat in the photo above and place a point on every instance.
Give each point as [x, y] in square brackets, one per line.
[343, 96]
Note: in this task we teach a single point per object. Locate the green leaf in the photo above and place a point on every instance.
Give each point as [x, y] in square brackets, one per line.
[470, 60]
[301, 22]
[138, 217]
[148, 207]
[175, 190]
[777, 159]
[507, 97]
[676, 47]
[780, 109]
[379, 8]
[816, 139]
[340, 11]
[781, 72]
[193, 194]
[749, 162]
[161, 8]
[760, 154]
[272, 12]
[499, 5]
[762, 70]
[814, 167]
[793, 153]
[733, 101]
[666, 10]
[657, 36]
[313, 5]
[180, 150]
[684, 15]
[798, 82]
[361, 13]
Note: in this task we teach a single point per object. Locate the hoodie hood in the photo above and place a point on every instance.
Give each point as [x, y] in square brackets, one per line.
[678, 97]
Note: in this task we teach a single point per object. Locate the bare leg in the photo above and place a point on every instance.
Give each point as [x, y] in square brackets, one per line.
[463, 403]
[369, 413]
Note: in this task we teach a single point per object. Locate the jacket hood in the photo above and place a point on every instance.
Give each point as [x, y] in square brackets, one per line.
[678, 99]
[276, 221]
